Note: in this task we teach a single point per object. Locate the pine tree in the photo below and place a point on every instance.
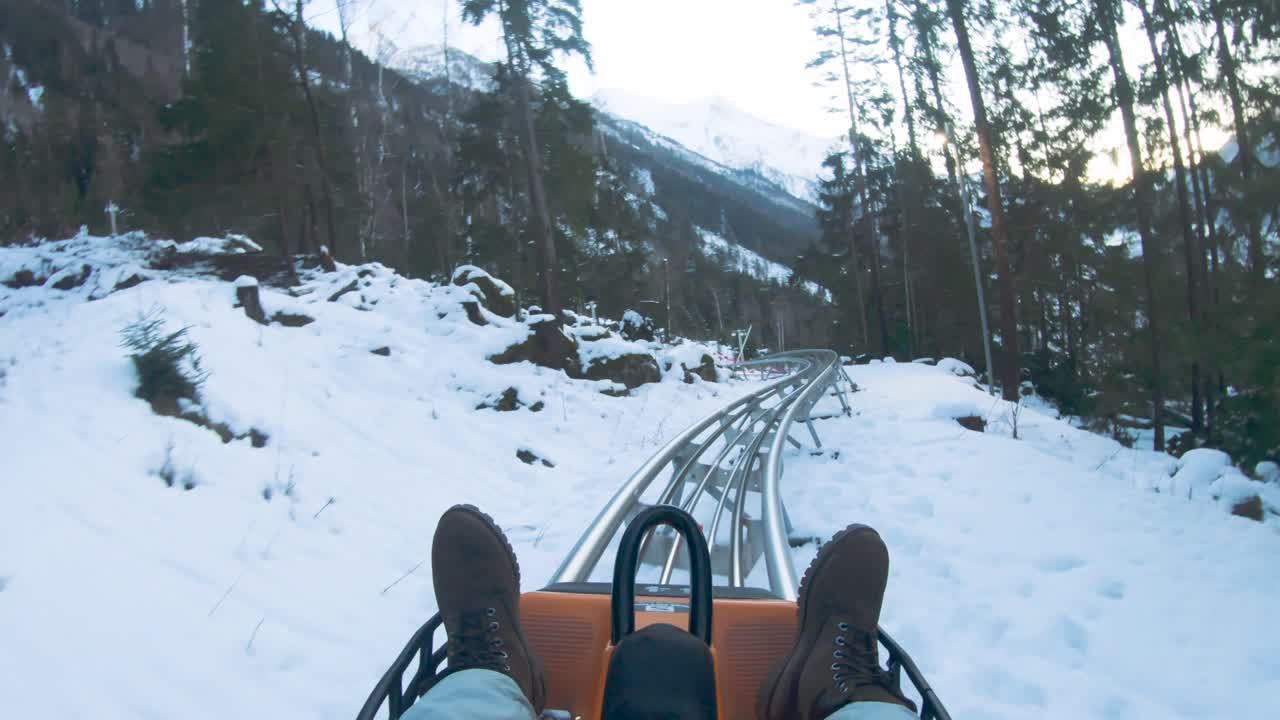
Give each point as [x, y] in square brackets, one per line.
[999, 233]
[535, 32]
[1107, 11]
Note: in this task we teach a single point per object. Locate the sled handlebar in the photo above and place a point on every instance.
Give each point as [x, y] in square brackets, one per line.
[624, 571]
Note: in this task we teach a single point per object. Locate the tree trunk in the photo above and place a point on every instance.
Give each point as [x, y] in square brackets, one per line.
[871, 229]
[854, 158]
[1205, 208]
[298, 30]
[1125, 99]
[538, 199]
[447, 249]
[1227, 66]
[999, 234]
[1189, 251]
[856, 266]
[907, 187]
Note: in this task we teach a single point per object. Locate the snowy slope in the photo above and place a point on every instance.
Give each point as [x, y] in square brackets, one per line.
[1039, 577]
[216, 603]
[717, 130]
[749, 262]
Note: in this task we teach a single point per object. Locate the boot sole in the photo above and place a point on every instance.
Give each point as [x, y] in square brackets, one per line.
[776, 702]
[539, 699]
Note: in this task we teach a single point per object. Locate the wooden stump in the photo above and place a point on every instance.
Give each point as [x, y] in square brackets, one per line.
[326, 260]
[247, 297]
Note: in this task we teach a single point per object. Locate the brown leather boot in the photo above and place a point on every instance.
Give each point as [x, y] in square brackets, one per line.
[835, 660]
[477, 581]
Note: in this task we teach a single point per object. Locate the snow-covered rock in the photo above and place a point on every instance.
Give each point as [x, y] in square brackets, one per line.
[1198, 469]
[637, 327]
[1268, 471]
[956, 367]
[232, 244]
[497, 296]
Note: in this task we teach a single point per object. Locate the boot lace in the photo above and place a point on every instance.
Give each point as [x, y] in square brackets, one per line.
[477, 644]
[856, 662]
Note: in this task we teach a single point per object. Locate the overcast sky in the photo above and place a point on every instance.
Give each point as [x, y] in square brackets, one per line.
[752, 53]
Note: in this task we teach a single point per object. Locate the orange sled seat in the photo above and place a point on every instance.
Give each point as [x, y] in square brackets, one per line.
[609, 655]
[569, 626]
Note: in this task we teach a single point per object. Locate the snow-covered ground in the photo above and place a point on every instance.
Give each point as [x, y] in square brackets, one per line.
[121, 597]
[1032, 578]
[1040, 577]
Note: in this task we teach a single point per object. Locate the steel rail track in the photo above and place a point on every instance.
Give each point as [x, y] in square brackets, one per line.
[749, 436]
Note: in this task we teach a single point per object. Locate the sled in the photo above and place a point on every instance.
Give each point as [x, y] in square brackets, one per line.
[695, 651]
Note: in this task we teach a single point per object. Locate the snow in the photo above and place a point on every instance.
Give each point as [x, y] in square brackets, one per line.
[232, 244]
[1041, 577]
[1037, 577]
[686, 354]
[1268, 471]
[956, 367]
[645, 178]
[609, 348]
[717, 130]
[428, 62]
[749, 262]
[471, 272]
[217, 602]
[246, 281]
[1197, 470]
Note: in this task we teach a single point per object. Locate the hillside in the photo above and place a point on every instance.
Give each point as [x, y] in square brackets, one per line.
[717, 130]
[389, 164]
[1034, 577]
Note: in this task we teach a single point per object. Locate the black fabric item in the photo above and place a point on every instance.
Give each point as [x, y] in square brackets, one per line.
[660, 673]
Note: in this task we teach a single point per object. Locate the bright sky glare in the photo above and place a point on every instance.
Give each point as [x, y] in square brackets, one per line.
[751, 53]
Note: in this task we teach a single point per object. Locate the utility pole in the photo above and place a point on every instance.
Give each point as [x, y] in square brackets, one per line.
[666, 284]
[962, 192]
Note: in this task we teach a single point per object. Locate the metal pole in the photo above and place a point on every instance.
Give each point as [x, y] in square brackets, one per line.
[112, 210]
[972, 231]
[666, 284]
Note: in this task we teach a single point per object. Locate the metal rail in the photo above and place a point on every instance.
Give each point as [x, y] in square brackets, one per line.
[750, 434]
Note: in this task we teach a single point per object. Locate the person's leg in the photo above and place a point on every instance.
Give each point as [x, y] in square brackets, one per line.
[833, 669]
[493, 672]
[473, 694]
[872, 711]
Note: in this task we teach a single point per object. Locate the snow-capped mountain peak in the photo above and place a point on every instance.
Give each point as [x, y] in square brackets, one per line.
[428, 61]
[718, 130]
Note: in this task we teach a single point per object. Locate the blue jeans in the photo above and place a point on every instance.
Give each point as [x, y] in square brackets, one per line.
[488, 695]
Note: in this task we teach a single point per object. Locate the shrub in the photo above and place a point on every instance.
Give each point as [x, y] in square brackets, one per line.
[1248, 426]
[167, 363]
